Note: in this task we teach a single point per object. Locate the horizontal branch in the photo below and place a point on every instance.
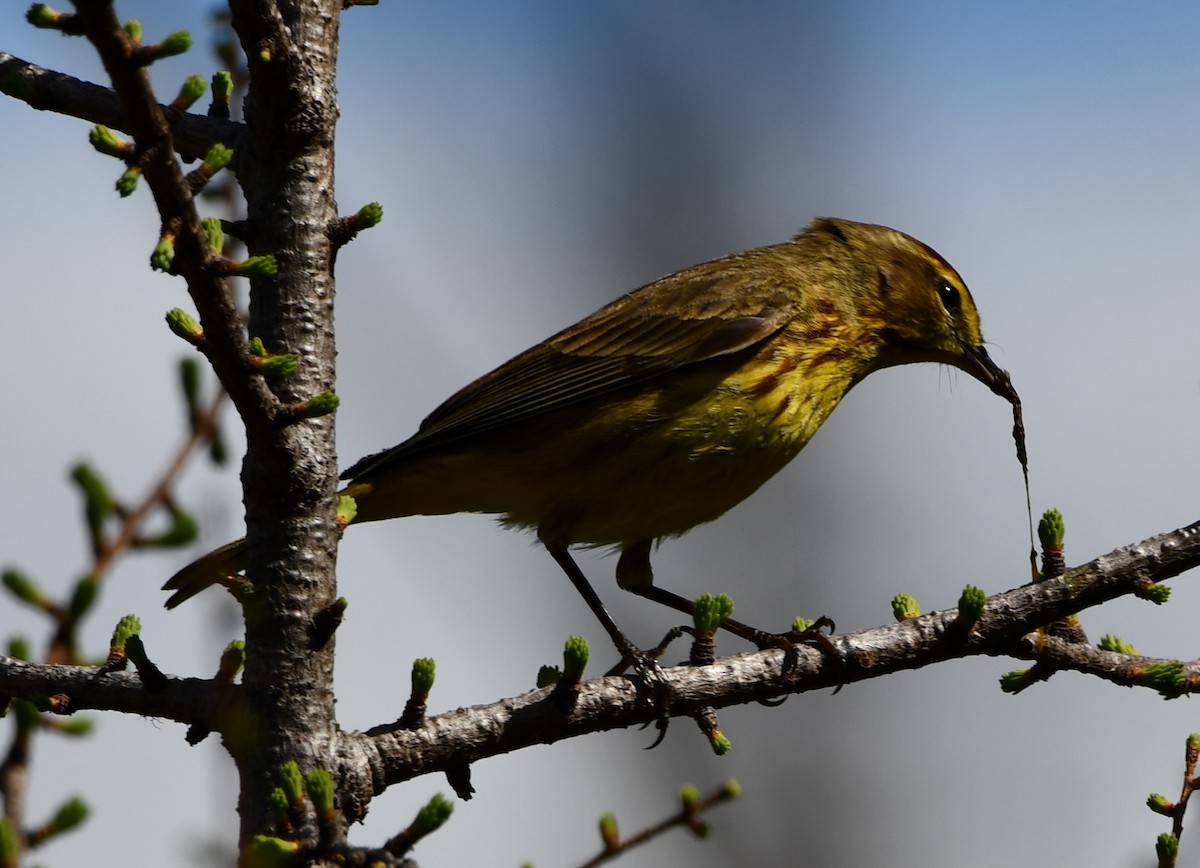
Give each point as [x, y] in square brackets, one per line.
[47, 90]
[78, 688]
[1126, 670]
[385, 755]
[395, 753]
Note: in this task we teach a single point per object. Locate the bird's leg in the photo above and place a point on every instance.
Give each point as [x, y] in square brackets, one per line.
[644, 664]
[635, 574]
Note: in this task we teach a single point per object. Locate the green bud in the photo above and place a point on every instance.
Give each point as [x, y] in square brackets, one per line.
[1167, 848]
[905, 607]
[689, 796]
[266, 851]
[720, 744]
[216, 235]
[1015, 681]
[176, 43]
[1051, 529]
[731, 789]
[575, 657]
[233, 658]
[1108, 642]
[133, 29]
[193, 88]
[97, 503]
[320, 790]
[163, 256]
[217, 158]
[257, 349]
[709, 611]
[257, 267]
[277, 804]
[128, 181]
[19, 648]
[71, 814]
[107, 142]
[1168, 678]
[222, 86]
[347, 509]
[1159, 804]
[292, 782]
[609, 833]
[66, 23]
[276, 367]
[130, 625]
[26, 713]
[22, 587]
[42, 16]
[368, 215]
[83, 597]
[189, 382]
[77, 726]
[431, 817]
[1156, 594]
[422, 676]
[217, 450]
[184, 325]
[319, 405]
[1193, 742]
[548, 676]
[800, 625]
[971, 604]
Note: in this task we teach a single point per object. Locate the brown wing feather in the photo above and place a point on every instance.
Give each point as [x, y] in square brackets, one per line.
[697, 314]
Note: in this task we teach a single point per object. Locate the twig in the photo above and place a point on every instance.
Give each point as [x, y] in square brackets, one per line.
[48, 90]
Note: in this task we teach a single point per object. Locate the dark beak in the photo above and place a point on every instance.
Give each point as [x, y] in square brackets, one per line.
[979, 365]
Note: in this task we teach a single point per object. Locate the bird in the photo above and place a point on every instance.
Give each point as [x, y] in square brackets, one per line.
[672, 404]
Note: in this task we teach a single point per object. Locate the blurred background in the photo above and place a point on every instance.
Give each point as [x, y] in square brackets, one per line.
[537, 159]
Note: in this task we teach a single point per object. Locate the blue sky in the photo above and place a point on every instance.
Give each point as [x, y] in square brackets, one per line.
[536, 160]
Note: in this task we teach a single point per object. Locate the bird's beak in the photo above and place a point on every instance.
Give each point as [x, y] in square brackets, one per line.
[979, 365]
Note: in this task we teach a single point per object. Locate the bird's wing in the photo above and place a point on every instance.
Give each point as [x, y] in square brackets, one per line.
[680, 320]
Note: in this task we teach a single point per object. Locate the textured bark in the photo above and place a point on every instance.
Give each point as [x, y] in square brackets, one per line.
[365, 764]
[290, 473]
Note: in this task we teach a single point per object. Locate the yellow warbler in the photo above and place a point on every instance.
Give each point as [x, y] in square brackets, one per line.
[672, 404]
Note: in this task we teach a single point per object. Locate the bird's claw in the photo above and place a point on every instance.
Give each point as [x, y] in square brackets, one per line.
[651, 683]
[790, 643]
[814, 634]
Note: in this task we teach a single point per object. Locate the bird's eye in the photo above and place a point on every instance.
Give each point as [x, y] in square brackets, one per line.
[950, 296]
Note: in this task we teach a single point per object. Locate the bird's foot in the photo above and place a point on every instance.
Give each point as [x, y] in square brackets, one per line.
[813, 634]
[648, 676]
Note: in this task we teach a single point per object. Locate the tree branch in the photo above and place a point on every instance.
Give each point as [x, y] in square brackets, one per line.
[47, 90]
[373, 760]
[395, 753]
[226, 343]
[75, 688]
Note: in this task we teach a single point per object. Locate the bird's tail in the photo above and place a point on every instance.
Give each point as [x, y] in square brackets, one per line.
[228, 560]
